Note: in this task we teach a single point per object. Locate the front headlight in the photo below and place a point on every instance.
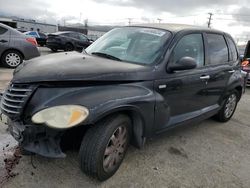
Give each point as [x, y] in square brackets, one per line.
[65, 116]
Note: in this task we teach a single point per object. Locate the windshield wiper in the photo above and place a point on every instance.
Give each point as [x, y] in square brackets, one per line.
[106, 56]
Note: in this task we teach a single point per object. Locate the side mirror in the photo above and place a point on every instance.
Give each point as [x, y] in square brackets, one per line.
[91, 41]
[185, 63]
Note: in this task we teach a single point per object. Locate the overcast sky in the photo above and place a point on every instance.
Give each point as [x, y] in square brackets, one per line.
[229, 15]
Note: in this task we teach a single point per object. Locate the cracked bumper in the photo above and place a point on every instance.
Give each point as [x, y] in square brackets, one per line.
[37, 139]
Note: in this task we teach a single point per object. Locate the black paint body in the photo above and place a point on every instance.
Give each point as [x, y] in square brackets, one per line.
[155, 99]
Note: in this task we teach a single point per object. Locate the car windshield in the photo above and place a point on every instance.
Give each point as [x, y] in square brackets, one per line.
[131, 44]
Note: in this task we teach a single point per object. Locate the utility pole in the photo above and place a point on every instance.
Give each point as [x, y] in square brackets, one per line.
[209, 19]
[159, 20]
[80, 17]
[130, 21]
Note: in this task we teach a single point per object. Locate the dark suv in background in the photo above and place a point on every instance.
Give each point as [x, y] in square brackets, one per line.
[131, 84]
[67, 41]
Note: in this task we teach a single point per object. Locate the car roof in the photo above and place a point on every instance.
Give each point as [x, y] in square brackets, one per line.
[176, 27]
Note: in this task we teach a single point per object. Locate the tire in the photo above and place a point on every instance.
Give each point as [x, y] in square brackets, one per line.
[53, 49]
[12, 59]
[101, 154]
[228, 108]
[69, 47]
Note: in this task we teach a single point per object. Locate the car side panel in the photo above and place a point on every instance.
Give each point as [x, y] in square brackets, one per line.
[101, 101]
[182, 98]
[18, 42]
[236, 81]
[216, 85]
[222, 77]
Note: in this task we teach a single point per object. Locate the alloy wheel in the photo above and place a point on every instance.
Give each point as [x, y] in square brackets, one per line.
[12, 59]
[230, 105]
[115, 149]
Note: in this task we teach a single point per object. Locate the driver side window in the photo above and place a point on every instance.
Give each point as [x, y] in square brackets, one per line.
[189, 46]
[83, 38]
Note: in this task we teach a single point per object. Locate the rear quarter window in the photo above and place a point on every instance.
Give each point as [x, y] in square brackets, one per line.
[233, 49]
[217, 49]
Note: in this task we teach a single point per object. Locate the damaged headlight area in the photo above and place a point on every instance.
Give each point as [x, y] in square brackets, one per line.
[61, 117]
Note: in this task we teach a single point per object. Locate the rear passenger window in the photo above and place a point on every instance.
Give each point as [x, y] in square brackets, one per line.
[217, 49]
[190, 46]
[234, 54]
[74, 35]
[2, 30]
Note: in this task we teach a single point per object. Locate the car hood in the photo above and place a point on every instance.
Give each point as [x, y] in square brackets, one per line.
[74, 66]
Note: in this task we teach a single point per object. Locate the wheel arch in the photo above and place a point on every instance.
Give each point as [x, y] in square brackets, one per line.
[137, 119]
[70, 43]
[239, 89]
[230, 89]
[13, 49]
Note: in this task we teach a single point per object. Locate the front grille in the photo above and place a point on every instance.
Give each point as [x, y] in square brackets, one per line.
[14, 99]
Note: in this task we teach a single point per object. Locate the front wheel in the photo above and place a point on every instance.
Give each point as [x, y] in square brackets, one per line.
[104, 146]
[53, 49]
[228, 107]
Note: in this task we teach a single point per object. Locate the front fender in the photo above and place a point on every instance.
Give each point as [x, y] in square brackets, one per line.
[100, 100]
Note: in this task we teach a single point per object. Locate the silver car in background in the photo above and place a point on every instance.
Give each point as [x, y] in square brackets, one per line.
[15, 47]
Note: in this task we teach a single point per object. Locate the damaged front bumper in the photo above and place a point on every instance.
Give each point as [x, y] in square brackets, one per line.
[37, 139]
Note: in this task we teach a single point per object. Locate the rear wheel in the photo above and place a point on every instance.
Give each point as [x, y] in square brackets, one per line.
[228, 107]
[104, 146]
[69, 47]
[12, 58]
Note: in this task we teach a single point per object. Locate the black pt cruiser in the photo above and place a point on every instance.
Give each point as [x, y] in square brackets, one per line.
[130, 85]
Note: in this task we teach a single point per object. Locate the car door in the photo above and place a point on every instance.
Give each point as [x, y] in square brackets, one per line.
[220, 66]
[77, 42]
[180, 94]
[4, 39]
[72, 37]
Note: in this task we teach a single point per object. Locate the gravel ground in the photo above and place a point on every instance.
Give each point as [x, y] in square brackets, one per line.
[209, 154]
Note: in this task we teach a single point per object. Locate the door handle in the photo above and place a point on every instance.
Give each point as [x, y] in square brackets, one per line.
[207, 77]
[231, 71]
[3, 41]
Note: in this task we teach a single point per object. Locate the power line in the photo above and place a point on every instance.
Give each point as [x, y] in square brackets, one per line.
[231, 19]
[233, 14]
